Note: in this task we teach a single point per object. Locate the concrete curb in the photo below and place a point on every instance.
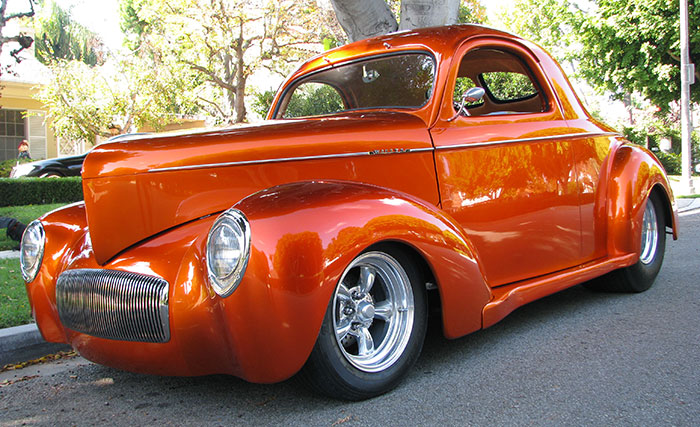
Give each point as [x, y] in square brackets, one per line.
[9, 254]
[22, 343]
[685, 205]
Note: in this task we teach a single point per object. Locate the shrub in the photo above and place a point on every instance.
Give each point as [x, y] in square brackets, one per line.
[672, 162]
[40, 191]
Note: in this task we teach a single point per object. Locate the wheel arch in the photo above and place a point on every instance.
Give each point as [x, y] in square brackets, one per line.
[636, 175]
[305, 234]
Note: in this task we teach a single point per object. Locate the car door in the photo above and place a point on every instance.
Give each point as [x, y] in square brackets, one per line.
[506, 170]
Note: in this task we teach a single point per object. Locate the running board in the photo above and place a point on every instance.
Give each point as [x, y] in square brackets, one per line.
[509, 297]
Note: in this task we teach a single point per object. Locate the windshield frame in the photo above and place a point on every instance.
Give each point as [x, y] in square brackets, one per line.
[291, 86]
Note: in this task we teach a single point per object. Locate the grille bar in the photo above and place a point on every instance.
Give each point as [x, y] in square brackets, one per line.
[113, 304]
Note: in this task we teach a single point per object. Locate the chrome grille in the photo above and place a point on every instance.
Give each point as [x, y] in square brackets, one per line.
[113, 304]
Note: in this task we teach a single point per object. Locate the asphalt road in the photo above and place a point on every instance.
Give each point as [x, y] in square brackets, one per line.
[575, 358]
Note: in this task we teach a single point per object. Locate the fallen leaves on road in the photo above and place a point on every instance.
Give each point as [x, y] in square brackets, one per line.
[10, 382]
[49, 358]
[342, 420]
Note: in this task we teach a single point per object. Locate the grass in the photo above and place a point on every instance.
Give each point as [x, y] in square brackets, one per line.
[14, 305]
[25, 215]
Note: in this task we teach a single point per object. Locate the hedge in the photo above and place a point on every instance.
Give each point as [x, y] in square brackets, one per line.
[671, 162]
[40, 191]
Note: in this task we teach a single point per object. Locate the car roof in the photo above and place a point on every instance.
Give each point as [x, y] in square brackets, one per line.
[439, 40]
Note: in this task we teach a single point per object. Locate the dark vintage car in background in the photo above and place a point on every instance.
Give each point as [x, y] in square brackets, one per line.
[59, 166]
[448, 170]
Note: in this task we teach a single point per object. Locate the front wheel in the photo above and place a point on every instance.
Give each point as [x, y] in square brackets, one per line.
[640, 276]
[373, 330]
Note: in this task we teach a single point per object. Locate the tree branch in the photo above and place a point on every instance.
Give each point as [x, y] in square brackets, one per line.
[214, 78]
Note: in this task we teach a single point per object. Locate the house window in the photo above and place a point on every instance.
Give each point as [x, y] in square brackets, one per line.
[12, 132]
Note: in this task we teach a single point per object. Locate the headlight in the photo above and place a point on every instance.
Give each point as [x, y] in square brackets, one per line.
[228, 250]
[32, 250]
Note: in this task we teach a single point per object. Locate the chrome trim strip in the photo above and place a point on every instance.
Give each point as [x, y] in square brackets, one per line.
[292, 159]
[539, 138]
[381, 152]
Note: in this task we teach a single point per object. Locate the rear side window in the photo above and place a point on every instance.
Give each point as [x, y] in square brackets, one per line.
[508, 86]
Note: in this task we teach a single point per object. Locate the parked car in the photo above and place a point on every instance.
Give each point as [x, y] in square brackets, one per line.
[448, 169]
[59, 166]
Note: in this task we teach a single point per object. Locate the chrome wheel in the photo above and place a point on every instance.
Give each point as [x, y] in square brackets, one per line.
[373, 312]
[650, 234]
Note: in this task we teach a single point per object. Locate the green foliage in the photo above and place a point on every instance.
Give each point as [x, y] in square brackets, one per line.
[313, 99]
[39, 191]
[670, 161]
[471, 12]
[222, 43]
[25, 215]
[507, 86]
[132, 25]
[14, 304]
[59, 37]
[620, 46]
[83, 101]
[262, 101]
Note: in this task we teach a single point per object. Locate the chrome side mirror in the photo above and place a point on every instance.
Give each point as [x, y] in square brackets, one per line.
[473, 94]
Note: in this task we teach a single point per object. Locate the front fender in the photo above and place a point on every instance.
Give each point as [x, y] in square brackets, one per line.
[635, 173]
[305, 234]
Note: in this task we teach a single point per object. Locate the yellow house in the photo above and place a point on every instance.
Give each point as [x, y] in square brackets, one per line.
[21, 116]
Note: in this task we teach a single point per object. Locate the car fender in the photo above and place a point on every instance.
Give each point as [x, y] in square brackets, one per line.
[304, 235]
[64, 228]
[635, 173]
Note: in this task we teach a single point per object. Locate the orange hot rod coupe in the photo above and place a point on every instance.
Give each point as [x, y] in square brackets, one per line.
[450, 169]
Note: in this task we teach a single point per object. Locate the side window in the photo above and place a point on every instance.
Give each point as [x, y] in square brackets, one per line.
[313, 99]
[509, 84]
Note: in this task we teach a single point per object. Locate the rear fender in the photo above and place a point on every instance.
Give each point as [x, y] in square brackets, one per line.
[635, 174]
[305, 234]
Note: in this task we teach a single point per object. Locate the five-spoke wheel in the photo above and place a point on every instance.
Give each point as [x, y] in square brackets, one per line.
[373, 312]
[374, 327]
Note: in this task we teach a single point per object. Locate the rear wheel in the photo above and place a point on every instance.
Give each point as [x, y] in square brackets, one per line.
[640, 276]
[373, 330]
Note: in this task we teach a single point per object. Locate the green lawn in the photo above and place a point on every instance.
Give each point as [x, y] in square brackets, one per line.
[24, 214]
[14, 305]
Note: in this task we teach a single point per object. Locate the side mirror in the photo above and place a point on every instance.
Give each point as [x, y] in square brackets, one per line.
[473, 94]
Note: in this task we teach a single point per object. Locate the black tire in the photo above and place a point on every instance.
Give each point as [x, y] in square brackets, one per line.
[640, 276]
[336, 366]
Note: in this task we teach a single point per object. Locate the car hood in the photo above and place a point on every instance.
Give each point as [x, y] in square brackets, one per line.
[137, 188]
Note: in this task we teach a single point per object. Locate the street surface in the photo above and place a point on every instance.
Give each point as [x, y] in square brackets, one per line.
[575, 358]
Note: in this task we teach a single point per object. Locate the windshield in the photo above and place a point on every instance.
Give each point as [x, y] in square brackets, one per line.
[397, 81]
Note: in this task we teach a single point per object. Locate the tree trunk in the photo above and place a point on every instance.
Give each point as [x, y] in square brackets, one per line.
[428, 13]
[362, 19]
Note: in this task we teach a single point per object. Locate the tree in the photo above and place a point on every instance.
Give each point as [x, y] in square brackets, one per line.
[619, 46]
[368, 18]
[84, 101]
[59, 37]
[23, 40]
[224, 42]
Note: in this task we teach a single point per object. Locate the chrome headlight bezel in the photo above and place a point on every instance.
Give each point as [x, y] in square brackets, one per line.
[225, 275]
[32, 250]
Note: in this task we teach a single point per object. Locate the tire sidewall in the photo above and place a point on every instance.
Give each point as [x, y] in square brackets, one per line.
[363, 384]
[641, 276]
